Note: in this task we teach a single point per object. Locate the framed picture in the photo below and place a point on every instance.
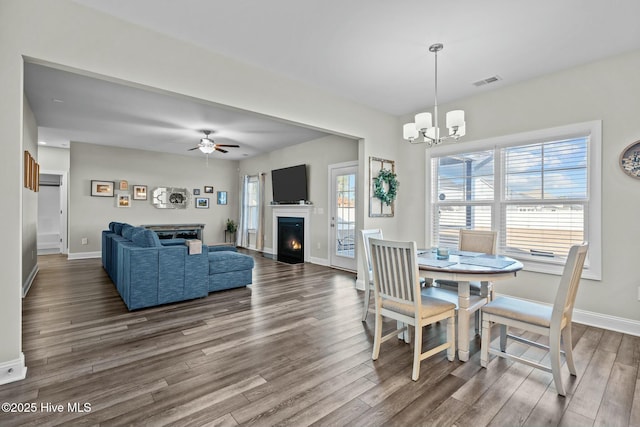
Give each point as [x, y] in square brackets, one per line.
[222, 197]
[124, 200]
[202, 202]
[208, 189]
[124, 186]
[139, 192]
[102, 188]
[36, 177]
[382, 174]
[196, 191]
[630, 160]
[27, 169]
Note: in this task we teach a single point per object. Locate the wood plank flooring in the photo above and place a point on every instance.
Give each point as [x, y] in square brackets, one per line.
[289, 351]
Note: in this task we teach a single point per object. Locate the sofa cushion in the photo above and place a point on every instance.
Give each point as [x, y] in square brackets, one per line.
[117, 228]
[218, 248]
[226, 261]
[146, 239]
[127, 231]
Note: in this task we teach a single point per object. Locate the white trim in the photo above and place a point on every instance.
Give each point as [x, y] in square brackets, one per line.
[598, 320]
[84, 255]
[360, 284]
[331, 260]
[27, 284]
[319, 261]
[593, 128]
[13, 370]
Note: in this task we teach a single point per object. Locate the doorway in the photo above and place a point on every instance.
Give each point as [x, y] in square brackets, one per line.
[343, 208]
[52, 213]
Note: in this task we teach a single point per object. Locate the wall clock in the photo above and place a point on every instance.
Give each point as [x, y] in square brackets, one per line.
[630, 160]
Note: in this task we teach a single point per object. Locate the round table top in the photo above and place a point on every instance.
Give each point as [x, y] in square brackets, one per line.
[471, 263]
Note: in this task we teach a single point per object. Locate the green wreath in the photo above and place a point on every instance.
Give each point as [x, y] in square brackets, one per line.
[389, 178]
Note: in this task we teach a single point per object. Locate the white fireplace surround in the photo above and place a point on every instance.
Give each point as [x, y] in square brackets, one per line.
[293, 211]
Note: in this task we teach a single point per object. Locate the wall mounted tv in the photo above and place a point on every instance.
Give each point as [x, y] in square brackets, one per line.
[289, 184]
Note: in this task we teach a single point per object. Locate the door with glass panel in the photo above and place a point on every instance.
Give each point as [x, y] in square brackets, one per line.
[342, 215]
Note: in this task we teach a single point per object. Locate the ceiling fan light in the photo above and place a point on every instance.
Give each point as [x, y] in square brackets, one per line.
[207, 149]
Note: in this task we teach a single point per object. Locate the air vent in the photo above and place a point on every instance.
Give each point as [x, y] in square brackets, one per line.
[487, 81]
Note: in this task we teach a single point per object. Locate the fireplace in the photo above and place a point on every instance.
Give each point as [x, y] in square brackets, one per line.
[290, 239]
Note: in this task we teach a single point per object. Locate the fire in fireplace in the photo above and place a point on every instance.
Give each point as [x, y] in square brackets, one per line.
[291, 240]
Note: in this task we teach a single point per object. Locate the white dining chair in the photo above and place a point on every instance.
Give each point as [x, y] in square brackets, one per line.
[397, 296]
[368, 272]
[482, 241]
[551, 321]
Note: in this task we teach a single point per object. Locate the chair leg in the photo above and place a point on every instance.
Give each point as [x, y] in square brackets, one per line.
[478, 324]
[377, 336]
[503, 338]
[484, 344]
[417, 351]
[367, 292]
[568, 349]
[554, 355]
[451, 338]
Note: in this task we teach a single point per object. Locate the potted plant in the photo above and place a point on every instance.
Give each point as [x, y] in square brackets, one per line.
[231, 226]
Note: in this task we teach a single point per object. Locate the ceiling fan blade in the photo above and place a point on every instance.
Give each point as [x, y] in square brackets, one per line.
[228, 145]
[194, 148]
[221, 150]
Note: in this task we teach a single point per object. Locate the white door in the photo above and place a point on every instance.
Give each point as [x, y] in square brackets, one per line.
[342, 231]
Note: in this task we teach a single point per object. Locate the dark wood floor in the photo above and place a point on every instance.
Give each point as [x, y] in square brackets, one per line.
[290, 351]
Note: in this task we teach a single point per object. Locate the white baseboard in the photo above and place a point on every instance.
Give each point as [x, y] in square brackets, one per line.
[84, 255]
[319, 261]
[13, 370]
[598, 320]
[27, 284]
[604, 321]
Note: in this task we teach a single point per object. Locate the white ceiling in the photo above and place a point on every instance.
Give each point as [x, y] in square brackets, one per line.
[374, 52]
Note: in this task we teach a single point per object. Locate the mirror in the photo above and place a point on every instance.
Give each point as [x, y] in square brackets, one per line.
[170, 198]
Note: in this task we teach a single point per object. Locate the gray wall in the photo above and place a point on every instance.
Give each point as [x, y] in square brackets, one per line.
[317, 155]
[88, 216]
[29, 201]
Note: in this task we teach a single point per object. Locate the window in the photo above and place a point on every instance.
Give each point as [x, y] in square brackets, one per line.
[540, 191]
[253, 196]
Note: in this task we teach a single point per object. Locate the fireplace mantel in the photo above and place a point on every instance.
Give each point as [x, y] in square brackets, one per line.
[294, 211]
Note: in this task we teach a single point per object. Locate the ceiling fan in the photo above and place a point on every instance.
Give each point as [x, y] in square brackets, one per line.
[208, 146]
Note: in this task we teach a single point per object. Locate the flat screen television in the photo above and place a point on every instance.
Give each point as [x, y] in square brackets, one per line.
[289, 184]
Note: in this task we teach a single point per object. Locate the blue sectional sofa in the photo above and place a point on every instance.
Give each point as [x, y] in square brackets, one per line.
[148, 272]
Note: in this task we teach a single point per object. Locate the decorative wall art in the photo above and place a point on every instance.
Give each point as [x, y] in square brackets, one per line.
[196, 191]
[124, 186]
[630, 160]
[222, 197]
[384, 187]
[139, 192]
[102, 188]
[124, 200]
[208, 189]
[202, 202]
[31, 172]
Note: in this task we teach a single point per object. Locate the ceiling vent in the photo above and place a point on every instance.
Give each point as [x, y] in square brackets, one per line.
[487, 81]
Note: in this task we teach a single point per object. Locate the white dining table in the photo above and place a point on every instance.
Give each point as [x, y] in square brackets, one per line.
[464, 267]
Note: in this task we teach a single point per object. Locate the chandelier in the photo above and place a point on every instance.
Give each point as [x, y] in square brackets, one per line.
[423, 125]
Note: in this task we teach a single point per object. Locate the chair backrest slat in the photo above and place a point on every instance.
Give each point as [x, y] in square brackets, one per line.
[395, 270]
[484, 241]
[569, 282]
[366, 234]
